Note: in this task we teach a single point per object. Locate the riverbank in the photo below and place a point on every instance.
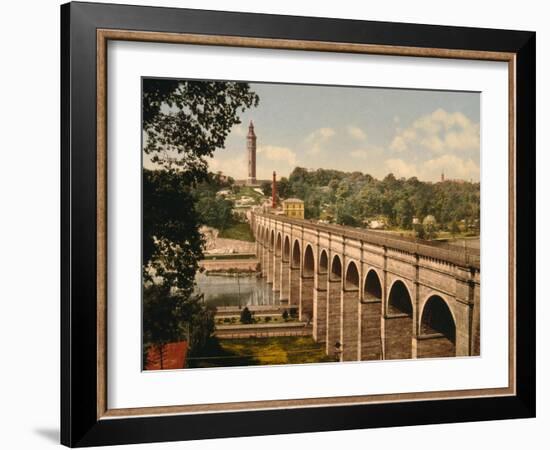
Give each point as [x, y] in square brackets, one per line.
[230, 266]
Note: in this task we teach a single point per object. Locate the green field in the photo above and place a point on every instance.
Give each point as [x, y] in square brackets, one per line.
[261, 351]
[240, 231]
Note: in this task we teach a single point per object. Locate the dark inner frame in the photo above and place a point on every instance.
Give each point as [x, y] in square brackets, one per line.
[79, 423]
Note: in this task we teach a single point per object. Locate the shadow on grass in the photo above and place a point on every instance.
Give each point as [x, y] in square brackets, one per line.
[260, 351]
[215, 355]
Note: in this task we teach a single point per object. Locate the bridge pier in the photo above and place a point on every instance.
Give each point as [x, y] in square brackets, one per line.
[276, 272]
[398, 336]
[306, 298]
[334, 290]
[259, 250]
[320, 308]
[370, 332]
[265, 256]
[294, 290]
[269, 275]
[285, 281]
[349, 325]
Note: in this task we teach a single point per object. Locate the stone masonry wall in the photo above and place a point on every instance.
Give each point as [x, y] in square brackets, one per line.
[350, 300]
[398, 339]
[371, 345]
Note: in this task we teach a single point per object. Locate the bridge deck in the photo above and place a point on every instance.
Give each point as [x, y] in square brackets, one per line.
[462, 257]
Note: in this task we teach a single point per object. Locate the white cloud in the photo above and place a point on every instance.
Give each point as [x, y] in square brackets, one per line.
[238, 130]
[451, 165]
[359, 154]
[366, 152]
[274, 153]
[317, 138]
[439, 132]
[356, 133]
[236, 167]
[398, 144]
[401, 168]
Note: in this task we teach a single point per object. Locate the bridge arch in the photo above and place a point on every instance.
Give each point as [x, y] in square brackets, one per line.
[437, 329]
[308, 268]
[372, 286]
[295, 280]
[350, 302]
[334, 293]
[399, 322]
[352, 277]
[323, 262]
[320, 298]
[371, 314]
[307, 284]
[272, 240]
[278, 245]
[399, 299]
[336, 268]
[296, 254]
[286, 249]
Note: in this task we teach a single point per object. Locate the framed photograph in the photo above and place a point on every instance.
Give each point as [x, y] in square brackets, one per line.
[276, 224]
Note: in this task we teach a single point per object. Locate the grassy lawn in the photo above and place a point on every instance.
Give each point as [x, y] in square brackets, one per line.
[240, 231]
[261, 351]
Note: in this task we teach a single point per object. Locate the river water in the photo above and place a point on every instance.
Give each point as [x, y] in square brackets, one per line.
[242, 290]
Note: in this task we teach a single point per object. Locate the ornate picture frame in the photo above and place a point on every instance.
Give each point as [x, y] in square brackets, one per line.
[86, 30]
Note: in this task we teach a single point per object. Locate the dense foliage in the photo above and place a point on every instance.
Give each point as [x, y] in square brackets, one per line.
[183, 123]
[352, 198]
[171, 316]
[191, 119]
[214, 210]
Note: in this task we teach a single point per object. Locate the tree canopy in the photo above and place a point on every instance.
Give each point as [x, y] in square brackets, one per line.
[184, 122]
[349, 198]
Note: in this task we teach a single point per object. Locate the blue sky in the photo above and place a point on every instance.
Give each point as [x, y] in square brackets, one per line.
[372, 130]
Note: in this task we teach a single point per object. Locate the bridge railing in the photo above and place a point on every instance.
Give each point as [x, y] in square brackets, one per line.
[465, 257]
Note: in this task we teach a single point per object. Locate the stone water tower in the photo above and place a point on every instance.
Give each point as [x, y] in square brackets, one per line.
[251, 150]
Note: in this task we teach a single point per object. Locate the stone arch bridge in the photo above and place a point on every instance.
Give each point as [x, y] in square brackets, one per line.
[370, 296]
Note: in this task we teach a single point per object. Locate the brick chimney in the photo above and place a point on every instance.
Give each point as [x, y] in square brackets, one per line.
[274, 191]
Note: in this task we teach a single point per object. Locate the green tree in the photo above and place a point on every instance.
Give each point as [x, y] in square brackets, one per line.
[283, 188]
[454, 228]
[266, 188]
[403, 213]
[419, 231]
[215, 211]
[184, 122]
[170, 316]
[191, 119]
[172, 243]
[430, 227]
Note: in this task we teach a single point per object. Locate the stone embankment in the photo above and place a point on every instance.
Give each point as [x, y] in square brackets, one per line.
[228, 266]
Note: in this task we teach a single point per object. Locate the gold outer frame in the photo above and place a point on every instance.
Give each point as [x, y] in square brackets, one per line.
[104, 35]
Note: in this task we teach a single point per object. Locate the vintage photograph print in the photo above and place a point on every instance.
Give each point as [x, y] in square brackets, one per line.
[293, 224]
